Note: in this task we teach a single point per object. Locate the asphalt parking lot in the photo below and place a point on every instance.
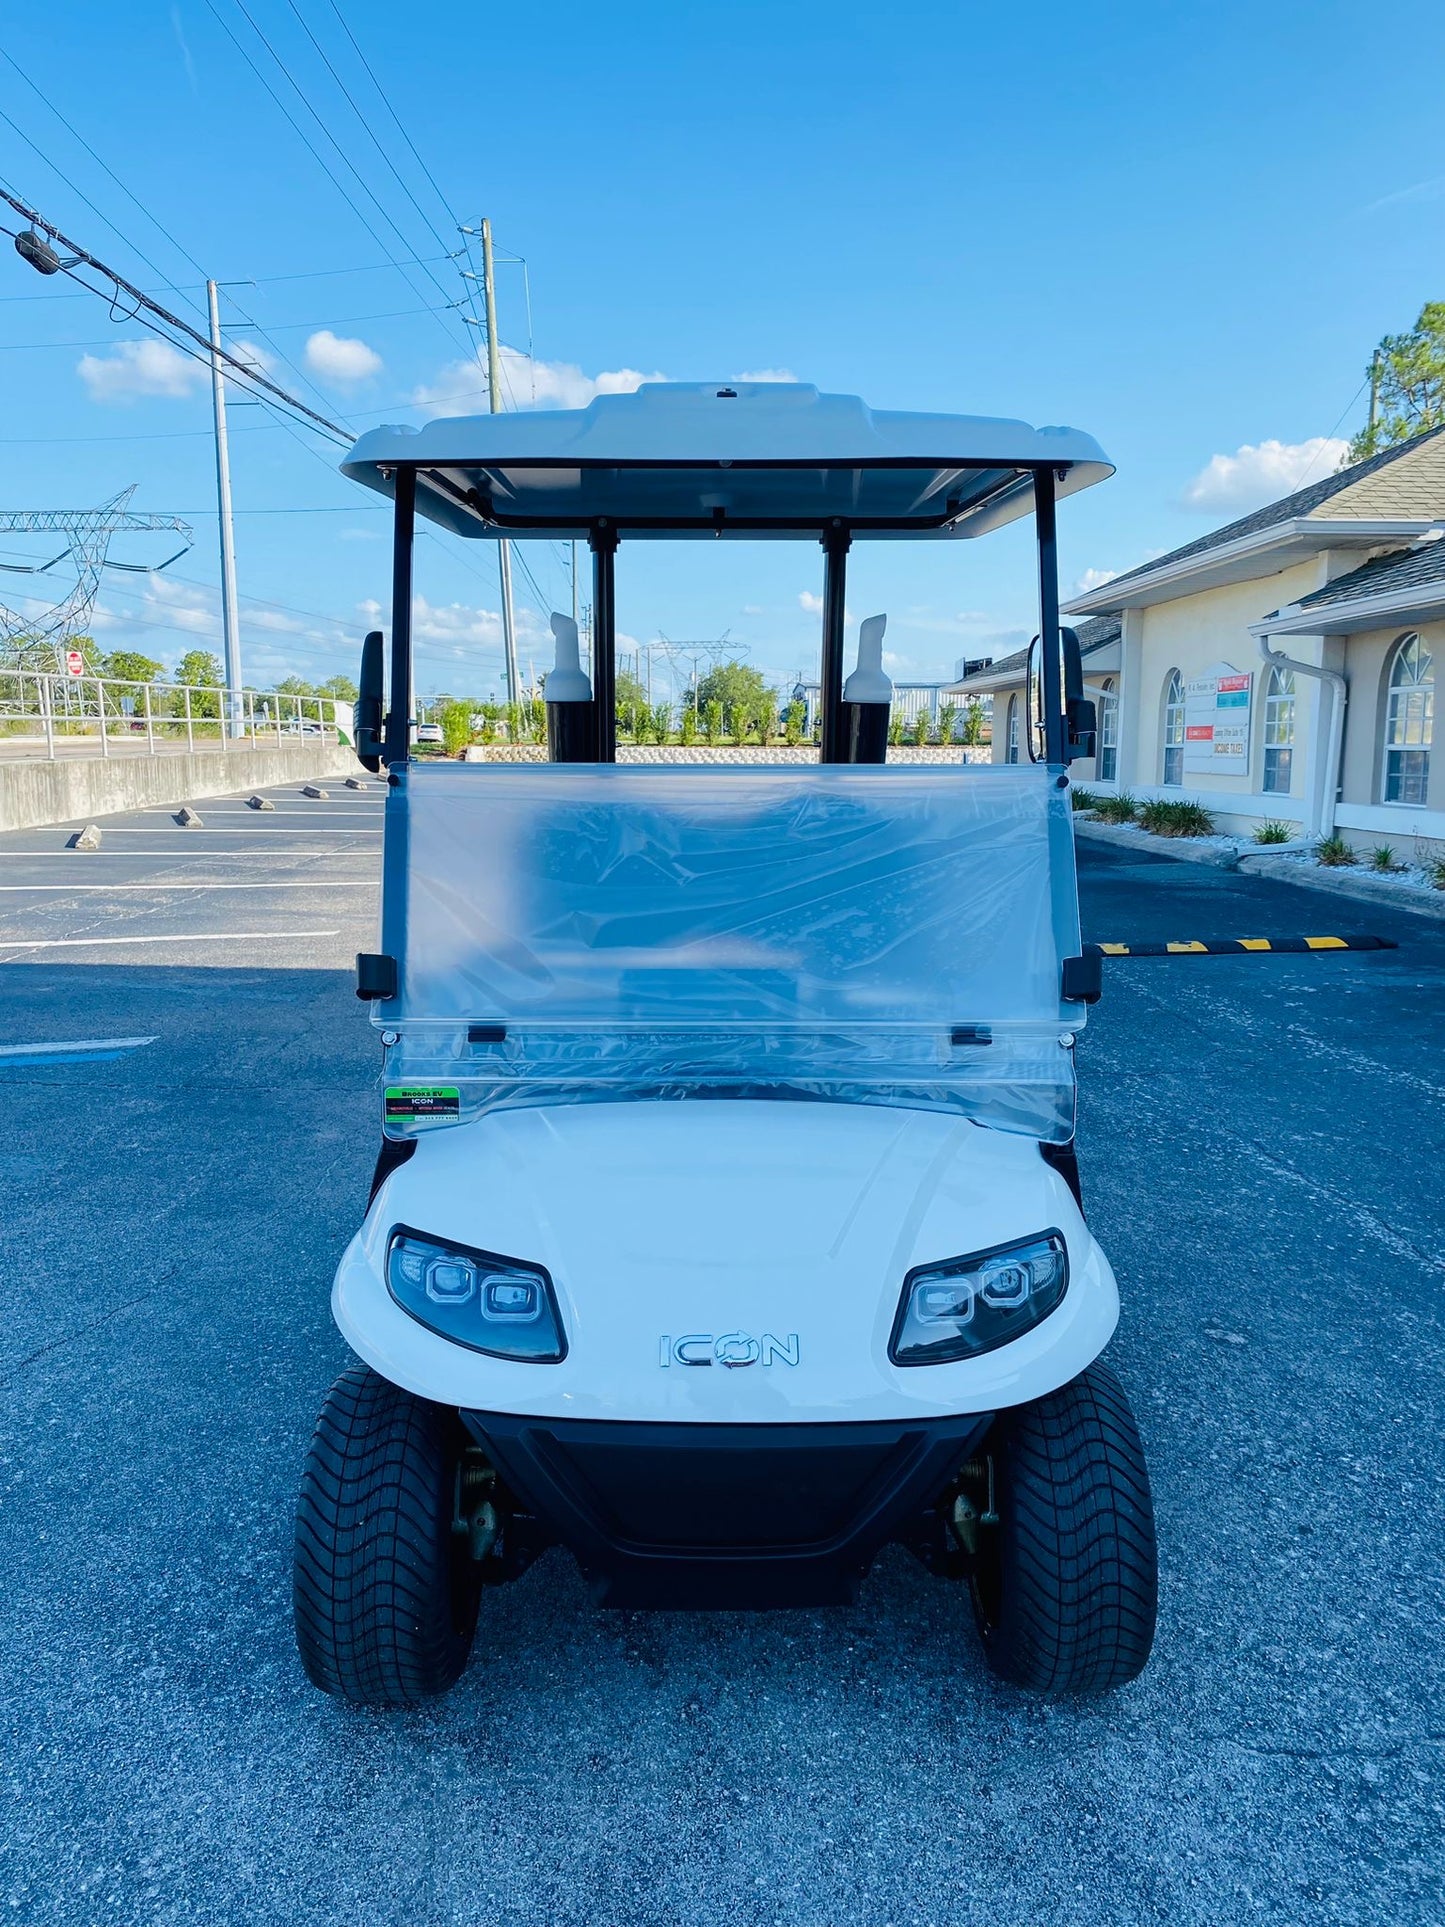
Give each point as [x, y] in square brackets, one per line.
[1259, 1138]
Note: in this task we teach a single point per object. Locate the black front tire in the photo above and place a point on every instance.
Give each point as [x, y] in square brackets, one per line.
[385, 1593]
[1065, 1585]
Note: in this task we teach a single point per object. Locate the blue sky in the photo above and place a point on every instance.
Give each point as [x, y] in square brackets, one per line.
[1182, 229]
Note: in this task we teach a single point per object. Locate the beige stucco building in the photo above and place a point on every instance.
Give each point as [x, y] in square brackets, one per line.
[1281, 667]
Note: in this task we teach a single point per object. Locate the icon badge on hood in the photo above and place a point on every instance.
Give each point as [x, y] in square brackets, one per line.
[732, 1349]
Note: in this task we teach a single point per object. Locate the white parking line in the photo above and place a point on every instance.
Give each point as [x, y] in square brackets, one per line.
[211, 936]
[156, 856]
[251, 815]
[79, 1043]
[196, 832]
[186, 883]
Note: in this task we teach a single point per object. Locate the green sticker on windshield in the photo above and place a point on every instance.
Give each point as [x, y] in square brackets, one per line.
[405, 1103]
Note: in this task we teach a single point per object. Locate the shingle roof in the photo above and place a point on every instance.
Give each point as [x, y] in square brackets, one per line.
[1364, 490]
[1401, 569]
[1093, 634]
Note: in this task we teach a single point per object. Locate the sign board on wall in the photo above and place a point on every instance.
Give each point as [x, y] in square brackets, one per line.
[1216, 722]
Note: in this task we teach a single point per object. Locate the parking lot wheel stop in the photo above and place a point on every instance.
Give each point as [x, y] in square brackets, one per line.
[1237, 946]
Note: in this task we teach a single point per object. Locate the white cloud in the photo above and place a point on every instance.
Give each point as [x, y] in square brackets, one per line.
[768, 374]
[812, 603]
[1259, 473]
[341, 357]
[1093, 579]
[526, 383]
[133, 369]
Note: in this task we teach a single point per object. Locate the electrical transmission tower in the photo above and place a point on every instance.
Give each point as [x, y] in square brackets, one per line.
[693, 653]
[36, 641]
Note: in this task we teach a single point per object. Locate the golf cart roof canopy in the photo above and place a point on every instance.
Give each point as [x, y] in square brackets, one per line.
[742, 459]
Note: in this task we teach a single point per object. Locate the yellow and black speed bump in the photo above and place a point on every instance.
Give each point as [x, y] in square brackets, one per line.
[1236, 946]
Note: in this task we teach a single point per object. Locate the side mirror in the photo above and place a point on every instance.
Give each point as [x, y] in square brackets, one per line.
[1080, 716]
[366, 711]
[1080, 719]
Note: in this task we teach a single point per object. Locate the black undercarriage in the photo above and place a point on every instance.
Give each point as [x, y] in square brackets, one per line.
[724, 1516]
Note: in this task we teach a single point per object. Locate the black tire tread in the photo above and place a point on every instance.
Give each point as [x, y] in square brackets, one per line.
[372, 1577]
[1078, 1561]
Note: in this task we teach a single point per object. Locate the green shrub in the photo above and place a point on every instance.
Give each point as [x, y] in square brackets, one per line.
[1334, 853]
[1435, 870]
[1175, 818]
[895, 728]
[689, 726]
[1085, 799]
[920, 729]
[1122, 808]
[794, 717]
[456, 721]
[1382, 858]
[947, 722]
[1273, 831]
[712, 721]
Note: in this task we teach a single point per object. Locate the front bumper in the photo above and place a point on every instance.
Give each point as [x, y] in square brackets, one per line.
[726, 1516]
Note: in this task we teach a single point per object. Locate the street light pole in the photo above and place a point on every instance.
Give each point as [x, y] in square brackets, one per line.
[230, 611]
[494, 387]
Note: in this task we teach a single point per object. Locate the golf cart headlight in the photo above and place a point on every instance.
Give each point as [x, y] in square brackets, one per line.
[965, 1306]
[489, 1304]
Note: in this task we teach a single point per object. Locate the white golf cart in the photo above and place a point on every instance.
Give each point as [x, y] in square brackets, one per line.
[727, 1224]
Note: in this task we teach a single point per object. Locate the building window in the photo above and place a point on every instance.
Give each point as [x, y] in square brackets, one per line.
[1108, 764]
[1011, 740]
[1409, 718]
[1174, 730]
[1278, 732]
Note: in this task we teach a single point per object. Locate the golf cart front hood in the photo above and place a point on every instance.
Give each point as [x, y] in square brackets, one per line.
[782, 1219]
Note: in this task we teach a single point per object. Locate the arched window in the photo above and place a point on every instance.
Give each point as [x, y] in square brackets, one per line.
[1011, 739]
[1409, 719]
[1108, 765]
[1174, 730]
[1278, 731]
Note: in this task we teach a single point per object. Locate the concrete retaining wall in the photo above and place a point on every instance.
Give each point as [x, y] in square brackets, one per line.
[81, 789]
[701, 753]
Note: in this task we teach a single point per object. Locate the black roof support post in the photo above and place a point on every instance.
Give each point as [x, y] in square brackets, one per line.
[603, 544]
[398, 719]
[1051, 659]
[836, 542]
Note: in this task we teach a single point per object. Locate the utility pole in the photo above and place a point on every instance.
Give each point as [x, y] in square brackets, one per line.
[230, 612]
[494, 386]
[1374, 390]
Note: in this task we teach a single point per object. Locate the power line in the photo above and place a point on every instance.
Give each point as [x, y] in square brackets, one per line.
[366, 124]
[82, 195]
[452, 215]
[242, 371]
[311, 148]
[75, 133]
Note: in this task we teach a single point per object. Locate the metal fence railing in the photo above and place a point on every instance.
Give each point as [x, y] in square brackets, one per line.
[115, 717]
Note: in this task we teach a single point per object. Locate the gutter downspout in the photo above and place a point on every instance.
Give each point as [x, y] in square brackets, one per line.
[1325, 826]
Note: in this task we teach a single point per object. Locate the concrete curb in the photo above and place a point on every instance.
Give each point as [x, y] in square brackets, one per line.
[33, 794]
[1183, 849]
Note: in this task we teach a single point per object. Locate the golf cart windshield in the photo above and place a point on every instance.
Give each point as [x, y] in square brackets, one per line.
[876, 935]
[583, 931]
